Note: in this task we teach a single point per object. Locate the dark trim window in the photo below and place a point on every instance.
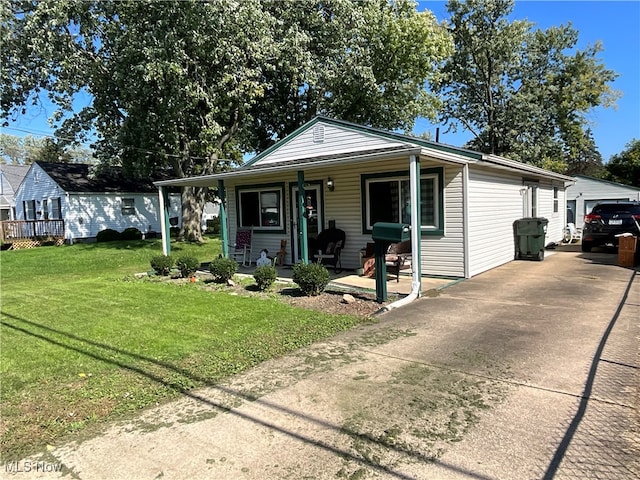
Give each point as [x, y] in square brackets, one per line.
[29, 209]
[128, 206]
[56, 208]
[555, 199]
[387, 198]
[45, 209]
[261, 207]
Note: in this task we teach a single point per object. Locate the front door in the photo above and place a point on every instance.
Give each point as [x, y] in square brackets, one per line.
[313, 207]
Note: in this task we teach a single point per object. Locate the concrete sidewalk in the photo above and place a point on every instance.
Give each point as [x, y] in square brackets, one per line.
[528, 371]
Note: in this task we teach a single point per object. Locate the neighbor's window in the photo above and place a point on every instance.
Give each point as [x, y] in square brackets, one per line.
[555, 199]
[388, 199]
[29, 209]
[45, 209]
[128, 206]
[55, 208]
[261, 207]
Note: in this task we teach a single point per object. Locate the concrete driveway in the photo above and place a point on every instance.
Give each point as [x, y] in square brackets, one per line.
[528, 371]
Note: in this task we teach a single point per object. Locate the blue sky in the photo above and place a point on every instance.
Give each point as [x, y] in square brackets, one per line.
[615, 23]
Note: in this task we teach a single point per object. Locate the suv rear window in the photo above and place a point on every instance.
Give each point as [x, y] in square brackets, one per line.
[610, 208]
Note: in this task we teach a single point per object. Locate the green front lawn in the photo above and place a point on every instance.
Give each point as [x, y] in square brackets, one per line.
[83, 341]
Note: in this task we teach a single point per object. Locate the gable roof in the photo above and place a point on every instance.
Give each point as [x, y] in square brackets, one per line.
[607, 182]
[350, 142]
[14, 174]
[83, 178]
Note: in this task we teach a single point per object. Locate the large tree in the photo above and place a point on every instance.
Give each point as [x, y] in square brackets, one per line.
[624, 167]
[190, 85]
[521, 92]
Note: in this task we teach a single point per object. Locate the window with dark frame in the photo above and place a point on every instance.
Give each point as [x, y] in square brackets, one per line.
[29, 209]
[261, 208]
[56, 209]
[389, 200]
[45, 209]
[128, 206]
[555, 199]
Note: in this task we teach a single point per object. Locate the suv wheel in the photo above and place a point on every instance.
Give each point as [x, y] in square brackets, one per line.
[586, 246]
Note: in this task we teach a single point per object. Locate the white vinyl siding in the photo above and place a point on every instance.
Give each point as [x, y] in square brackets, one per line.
[495, 202]
[336, 140]
[88, 213]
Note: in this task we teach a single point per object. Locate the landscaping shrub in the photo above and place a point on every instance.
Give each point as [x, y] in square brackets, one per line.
[162, 264]
[311, 278]
[108, 235]
[174, 232]
[264, 276]
[187, 265]
[223, 269]
[213, 225]
[131, 233]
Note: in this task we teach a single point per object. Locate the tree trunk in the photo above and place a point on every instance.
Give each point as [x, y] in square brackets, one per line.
[192, 204]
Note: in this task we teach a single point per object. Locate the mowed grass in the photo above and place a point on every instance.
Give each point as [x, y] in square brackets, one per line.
[82, 341]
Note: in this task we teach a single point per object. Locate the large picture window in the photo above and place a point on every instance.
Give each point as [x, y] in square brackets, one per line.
[261, 207]
[387, 198]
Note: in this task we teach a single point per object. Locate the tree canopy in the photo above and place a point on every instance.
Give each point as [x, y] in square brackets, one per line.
[624, 167]
[191, 85]
[522, 93]
[28, 149]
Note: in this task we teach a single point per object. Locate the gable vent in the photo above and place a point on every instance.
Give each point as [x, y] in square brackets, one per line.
[318, 134]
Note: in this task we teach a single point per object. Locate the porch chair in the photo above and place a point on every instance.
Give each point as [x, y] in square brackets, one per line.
[571, 233]
[242, 246]
[328, 246]
[398, 257]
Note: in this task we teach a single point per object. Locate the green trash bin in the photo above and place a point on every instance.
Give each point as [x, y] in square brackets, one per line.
[529, 238]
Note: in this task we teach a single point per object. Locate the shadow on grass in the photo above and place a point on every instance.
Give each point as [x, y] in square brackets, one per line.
[104, 353]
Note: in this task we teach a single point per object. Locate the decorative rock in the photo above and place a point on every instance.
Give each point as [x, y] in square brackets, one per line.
[347, 298]
[231, 283]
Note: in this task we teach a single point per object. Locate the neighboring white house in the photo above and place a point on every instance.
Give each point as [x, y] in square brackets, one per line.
[90, 203]
[11, 177]
[354, 176]
[587, 191]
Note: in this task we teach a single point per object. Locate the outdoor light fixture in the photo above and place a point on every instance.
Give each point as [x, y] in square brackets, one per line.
[330, 184]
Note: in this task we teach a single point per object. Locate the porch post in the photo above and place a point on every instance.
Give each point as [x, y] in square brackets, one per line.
[416, 236]
[222, 215]
[302, 220]
[164, 220]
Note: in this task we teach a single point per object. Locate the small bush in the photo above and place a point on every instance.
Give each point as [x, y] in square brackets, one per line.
[213, 225]
[265, 276]
[108, 235]
[312, 278]
[223, 269]
[187, 265]
[162, 264]
[174, 232]
[131, 233]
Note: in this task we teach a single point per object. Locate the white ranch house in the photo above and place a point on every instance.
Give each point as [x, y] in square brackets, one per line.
[89, 203]
[353, 176]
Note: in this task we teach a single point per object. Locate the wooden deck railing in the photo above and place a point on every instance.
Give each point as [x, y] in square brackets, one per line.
[15, 230]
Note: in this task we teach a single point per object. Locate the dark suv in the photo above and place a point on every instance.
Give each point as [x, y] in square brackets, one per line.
[608, 219]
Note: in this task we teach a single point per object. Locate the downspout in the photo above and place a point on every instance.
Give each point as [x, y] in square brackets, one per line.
[416, 273]
[465, 219]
